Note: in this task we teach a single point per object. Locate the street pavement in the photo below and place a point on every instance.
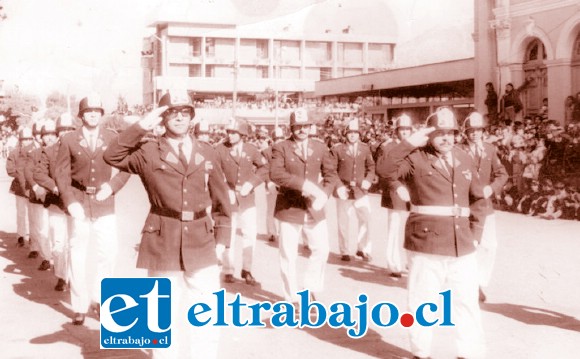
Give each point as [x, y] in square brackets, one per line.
[532, 311]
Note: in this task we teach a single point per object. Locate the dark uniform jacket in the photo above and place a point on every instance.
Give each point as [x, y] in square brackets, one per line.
[430, 184]
[491, 173]
[289, 169]
[80, 172]
[32, 159]
[15, 168]
[251, 166]
[389, 197]
[168, 242]
[353, 168]
[45, 174]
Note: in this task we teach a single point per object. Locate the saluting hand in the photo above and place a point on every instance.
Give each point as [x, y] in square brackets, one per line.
[153, 118]
[420, 137]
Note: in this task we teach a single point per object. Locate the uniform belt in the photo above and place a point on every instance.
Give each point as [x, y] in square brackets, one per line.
[451, 211]
[184, 216]
[87, 190]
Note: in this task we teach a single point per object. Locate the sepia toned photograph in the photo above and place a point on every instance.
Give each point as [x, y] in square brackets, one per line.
[290, 179]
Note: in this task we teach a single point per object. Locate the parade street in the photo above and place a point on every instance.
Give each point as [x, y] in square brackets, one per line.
[532, 308]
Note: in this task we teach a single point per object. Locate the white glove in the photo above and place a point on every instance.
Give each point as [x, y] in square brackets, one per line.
[232, 195]
[342, 192]
[76, 211]
[153, 118]
[39, 192]
[311, 189]
[487, 192]
[420, 137]
[271, 186]
[104, 192]
[319, 202]
[246, 189]
[365, 185]
[403, 193]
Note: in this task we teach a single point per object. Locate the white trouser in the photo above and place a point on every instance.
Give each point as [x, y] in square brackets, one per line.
[396, 254]
[290, 235]
[486, 250]
[58, 233]
[430, 274]
[272, 224]
[22, 228]
[362, 208]
[246, 220]
[38, 219]
[100, 235]
[187, 288]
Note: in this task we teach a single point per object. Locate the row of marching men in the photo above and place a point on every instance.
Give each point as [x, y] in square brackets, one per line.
[64, 202]
[194, 188]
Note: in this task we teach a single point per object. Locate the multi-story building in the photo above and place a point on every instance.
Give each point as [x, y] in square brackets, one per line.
[287, 54]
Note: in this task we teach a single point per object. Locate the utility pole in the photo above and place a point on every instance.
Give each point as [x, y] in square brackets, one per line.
[235, 89]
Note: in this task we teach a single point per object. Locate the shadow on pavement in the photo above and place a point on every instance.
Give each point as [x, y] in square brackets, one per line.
[360, 271]
[533, 316]
[38, 287]
[80, 335]
[371, 343]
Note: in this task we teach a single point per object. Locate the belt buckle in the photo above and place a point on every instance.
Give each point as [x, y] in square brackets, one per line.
[353, 183]
[456, 211]
[186, 216]
[91, 190]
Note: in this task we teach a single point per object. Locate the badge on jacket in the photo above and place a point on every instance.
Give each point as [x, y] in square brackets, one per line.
[467, 174]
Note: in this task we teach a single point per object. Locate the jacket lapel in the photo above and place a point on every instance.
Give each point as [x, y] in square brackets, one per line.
[197, 159]
[438, 166]
[298, 151]
[168, 155]
[83, 143]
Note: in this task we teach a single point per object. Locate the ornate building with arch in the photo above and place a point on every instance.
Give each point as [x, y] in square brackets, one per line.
[534, 40]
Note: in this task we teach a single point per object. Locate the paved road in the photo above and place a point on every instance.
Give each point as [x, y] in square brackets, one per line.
[533, 308]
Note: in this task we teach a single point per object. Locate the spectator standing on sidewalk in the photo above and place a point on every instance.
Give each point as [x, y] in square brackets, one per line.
[491, 103]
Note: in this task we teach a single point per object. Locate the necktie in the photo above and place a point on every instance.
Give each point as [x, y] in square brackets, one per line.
[448, 162]
[477, 156]
[305, 150]
[92, 142]
[182, 157]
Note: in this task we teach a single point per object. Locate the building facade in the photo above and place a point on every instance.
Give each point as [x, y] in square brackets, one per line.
[537, 40]
[287, 54]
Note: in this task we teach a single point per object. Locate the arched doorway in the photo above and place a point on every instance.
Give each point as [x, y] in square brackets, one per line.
[575, 65]
[535, 69]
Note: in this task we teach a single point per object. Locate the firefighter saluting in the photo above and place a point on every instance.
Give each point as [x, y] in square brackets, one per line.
[181, 176]
[438, 237]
